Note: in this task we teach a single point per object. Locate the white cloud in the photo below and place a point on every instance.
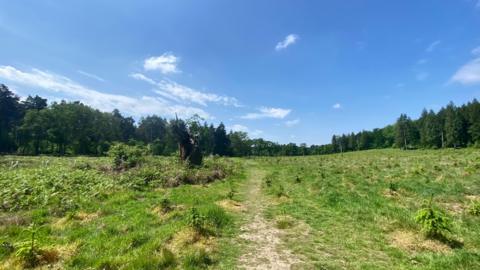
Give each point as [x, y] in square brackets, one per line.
[256, 132]
[181, 93]
[71, 90]
[337, 106]
[266, 112]
[238, 127]
[289, 40]
[476, 51]
[291, 123]
[91, 76]
[432, 46]
[469, 73]
[165, 63]
[242, 128]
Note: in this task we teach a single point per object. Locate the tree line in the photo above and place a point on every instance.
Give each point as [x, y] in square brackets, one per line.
[33, 127]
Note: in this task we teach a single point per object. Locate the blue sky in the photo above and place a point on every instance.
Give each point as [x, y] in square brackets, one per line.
[296, 71]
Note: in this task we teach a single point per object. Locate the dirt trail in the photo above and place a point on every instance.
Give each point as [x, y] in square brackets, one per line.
[265, 250]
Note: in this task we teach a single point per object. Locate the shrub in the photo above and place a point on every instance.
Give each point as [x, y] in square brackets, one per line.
[434, 223]
[474, 208]
[125, 156]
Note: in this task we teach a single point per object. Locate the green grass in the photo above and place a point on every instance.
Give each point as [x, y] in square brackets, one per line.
[356, 204]
[350, 211]
[96, 218]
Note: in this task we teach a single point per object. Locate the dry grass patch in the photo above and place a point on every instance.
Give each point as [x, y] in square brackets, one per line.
[14, 219]
[231, 205]
[412, 242]
[188, 237]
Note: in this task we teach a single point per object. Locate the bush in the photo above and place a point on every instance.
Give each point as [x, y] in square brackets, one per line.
[434, 223]
[125, 156]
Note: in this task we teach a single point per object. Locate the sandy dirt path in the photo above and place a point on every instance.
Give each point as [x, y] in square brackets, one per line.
[264, 249]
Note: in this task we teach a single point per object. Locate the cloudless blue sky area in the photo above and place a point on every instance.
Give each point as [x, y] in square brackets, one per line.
[353, 65]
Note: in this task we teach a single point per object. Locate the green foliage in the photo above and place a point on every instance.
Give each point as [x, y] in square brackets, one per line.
[434, 223]
[28, 251]
[474, 208]
[217, 217]
[125, 156]
[166, 205]
[167, 259]
[196, 220]
[197, 259]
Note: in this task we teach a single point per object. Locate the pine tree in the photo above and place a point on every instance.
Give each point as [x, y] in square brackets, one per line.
[453, 126]
[403, 131]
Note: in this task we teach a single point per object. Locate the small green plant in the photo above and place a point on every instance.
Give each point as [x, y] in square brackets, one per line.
[196, 220]
[197, 259]
[167, 259]
[298, 180]
[280, 191]
[434, 223]
[392, 186]
[166, 205]
[27, 251]
[474, 208]
[231, 193]
[217, 217]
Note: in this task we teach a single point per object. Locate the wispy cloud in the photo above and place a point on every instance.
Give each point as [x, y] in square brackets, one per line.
[165, 63]
[291, 123]
[266, 112]
[238, 127]
[468, 74]
[432, 46]
[253, 133]
[337, 106]
[289, 40]
[421, 75]
[476, 51]
[422, 61]
[91, 76]
[71, 90]
[181, 93]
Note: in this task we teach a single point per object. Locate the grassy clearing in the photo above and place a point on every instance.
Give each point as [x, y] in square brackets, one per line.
[359, 209]
[379, 209]
[89, 216]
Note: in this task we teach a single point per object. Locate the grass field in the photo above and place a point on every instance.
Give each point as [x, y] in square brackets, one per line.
[350, 211]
